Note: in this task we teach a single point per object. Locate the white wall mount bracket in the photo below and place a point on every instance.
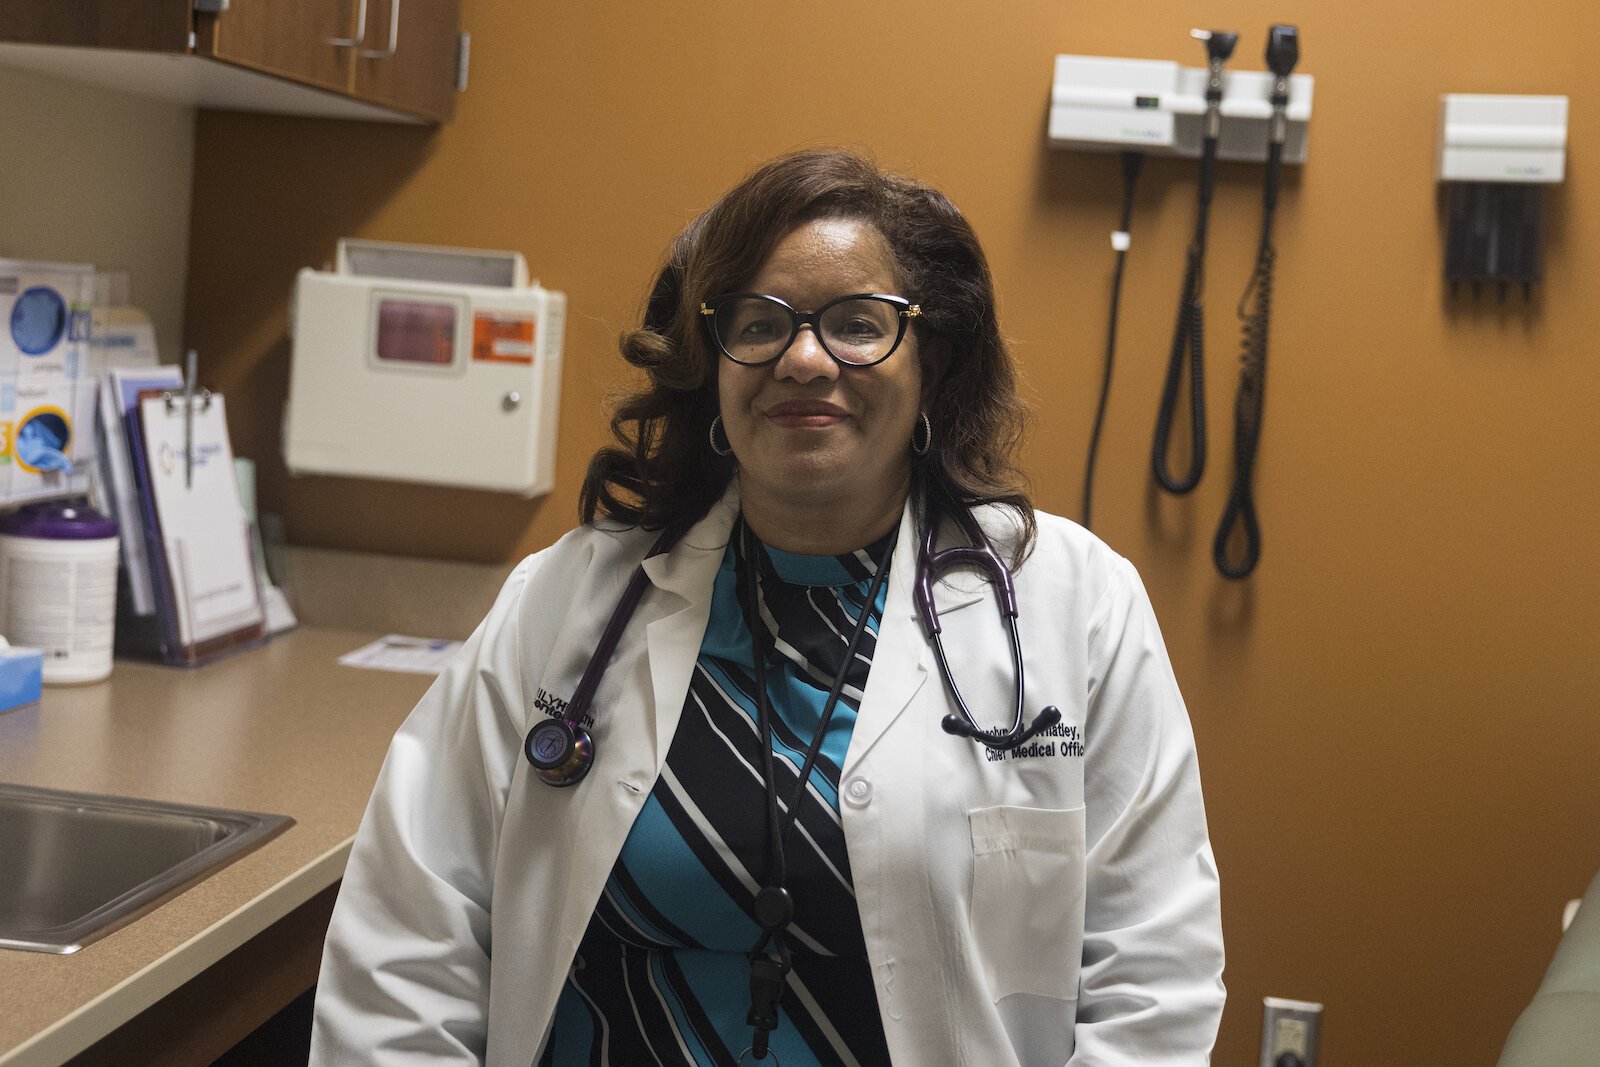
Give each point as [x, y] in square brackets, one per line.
[1105, 104]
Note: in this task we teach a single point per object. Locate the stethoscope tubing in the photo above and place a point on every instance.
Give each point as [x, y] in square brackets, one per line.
[626, 606]
[561, 750]
[980, 555]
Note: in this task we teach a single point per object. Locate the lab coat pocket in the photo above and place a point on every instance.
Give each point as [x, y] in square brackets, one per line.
[1028, 898]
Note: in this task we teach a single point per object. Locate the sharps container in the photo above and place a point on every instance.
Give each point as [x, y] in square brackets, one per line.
[58, 587]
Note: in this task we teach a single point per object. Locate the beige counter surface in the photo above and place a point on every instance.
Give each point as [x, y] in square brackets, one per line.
[281, 729]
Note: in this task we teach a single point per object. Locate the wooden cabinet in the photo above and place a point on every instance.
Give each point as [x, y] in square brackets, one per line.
[289, 38]
[405, 66]
[399, 55]
[160, 26]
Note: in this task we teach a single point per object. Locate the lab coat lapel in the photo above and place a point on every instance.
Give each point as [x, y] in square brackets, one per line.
[689, 572]
[674, 612]
[902, 657]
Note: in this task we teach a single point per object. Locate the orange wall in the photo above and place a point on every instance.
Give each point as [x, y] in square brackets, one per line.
[1397, 715]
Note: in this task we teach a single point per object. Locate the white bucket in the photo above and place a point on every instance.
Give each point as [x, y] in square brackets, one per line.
[60, 596]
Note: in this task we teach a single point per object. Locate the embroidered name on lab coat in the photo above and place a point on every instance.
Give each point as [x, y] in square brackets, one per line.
[556, 707]
[550, 704]
[1065, 741]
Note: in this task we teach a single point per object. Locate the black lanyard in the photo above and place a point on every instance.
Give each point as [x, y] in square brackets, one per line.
[774, 906]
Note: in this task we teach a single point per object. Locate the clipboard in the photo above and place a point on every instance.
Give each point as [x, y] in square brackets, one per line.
[202, 563]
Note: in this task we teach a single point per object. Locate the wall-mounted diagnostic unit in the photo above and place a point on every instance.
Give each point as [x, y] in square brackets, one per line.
[423, 364]
[1496, 156]
[1102, 103]
[1140, 107]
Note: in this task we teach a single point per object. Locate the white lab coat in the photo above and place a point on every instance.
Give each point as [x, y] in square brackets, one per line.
[1052, 909]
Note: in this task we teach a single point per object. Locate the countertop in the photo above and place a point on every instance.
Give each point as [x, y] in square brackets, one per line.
[281, 729]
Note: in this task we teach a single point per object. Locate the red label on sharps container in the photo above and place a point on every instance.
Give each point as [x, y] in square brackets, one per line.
[502, 337]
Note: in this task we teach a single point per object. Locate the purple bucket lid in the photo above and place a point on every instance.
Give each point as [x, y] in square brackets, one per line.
[56, 520]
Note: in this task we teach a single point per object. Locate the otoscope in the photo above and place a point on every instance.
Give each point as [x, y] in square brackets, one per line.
[1283, 50]
[1188, 337]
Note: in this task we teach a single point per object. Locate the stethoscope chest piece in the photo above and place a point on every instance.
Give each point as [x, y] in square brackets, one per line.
[560, 752]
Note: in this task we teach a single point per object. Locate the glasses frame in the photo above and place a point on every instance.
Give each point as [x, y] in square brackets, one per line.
[906, 312]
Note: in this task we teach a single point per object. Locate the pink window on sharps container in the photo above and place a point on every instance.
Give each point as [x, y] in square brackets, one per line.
[416, 331]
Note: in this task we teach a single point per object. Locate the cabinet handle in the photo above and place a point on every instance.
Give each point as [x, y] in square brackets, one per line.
[361, 29]
[394, 35]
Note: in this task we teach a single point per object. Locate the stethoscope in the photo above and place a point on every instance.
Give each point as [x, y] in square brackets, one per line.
[561, 749]
[979, 554]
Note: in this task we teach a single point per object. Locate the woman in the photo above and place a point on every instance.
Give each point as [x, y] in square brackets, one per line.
[777, 845]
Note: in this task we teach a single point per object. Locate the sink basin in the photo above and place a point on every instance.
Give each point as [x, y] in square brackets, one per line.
[75, 866]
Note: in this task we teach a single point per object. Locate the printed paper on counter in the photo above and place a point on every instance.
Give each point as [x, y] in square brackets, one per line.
[397, 652]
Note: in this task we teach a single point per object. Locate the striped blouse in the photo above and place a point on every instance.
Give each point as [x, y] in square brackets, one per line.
[662, 975]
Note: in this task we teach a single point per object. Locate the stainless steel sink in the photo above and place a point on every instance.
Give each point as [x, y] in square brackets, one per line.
[75, 866]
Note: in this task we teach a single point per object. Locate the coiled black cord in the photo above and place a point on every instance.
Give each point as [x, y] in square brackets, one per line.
[1132, 163]
[1255, 310]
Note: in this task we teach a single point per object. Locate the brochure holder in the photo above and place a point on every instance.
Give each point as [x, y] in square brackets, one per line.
[203, 599]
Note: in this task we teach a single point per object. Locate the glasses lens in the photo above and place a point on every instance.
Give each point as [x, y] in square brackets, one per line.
[860, 330]
[753, 329]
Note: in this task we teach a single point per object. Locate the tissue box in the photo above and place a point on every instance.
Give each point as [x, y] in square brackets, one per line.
[21, 676]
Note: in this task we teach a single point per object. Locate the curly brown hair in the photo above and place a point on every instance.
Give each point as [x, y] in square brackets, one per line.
[663, 474]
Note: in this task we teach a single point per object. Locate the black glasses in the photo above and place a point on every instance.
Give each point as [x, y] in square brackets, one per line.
[754, 329]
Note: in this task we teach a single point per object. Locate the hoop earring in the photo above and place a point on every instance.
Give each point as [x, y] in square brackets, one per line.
[721, 450]
[926, 426]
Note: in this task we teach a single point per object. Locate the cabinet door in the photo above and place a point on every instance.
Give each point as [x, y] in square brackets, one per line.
[152, 25]
[290, 38]
[409, 61]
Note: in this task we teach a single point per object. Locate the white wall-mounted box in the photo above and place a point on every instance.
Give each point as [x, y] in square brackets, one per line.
[1497, 138]
[429, 365]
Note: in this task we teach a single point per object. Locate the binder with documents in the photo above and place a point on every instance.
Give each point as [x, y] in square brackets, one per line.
[202, 570]
[119, 404]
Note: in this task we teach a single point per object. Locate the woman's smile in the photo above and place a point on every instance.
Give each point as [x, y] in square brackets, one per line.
[806, 414]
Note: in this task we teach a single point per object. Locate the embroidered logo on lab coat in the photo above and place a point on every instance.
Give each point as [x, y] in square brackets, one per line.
[550, 704]
[1061, 741]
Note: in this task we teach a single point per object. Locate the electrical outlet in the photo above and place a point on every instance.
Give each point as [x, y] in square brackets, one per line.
[1289, 1030]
